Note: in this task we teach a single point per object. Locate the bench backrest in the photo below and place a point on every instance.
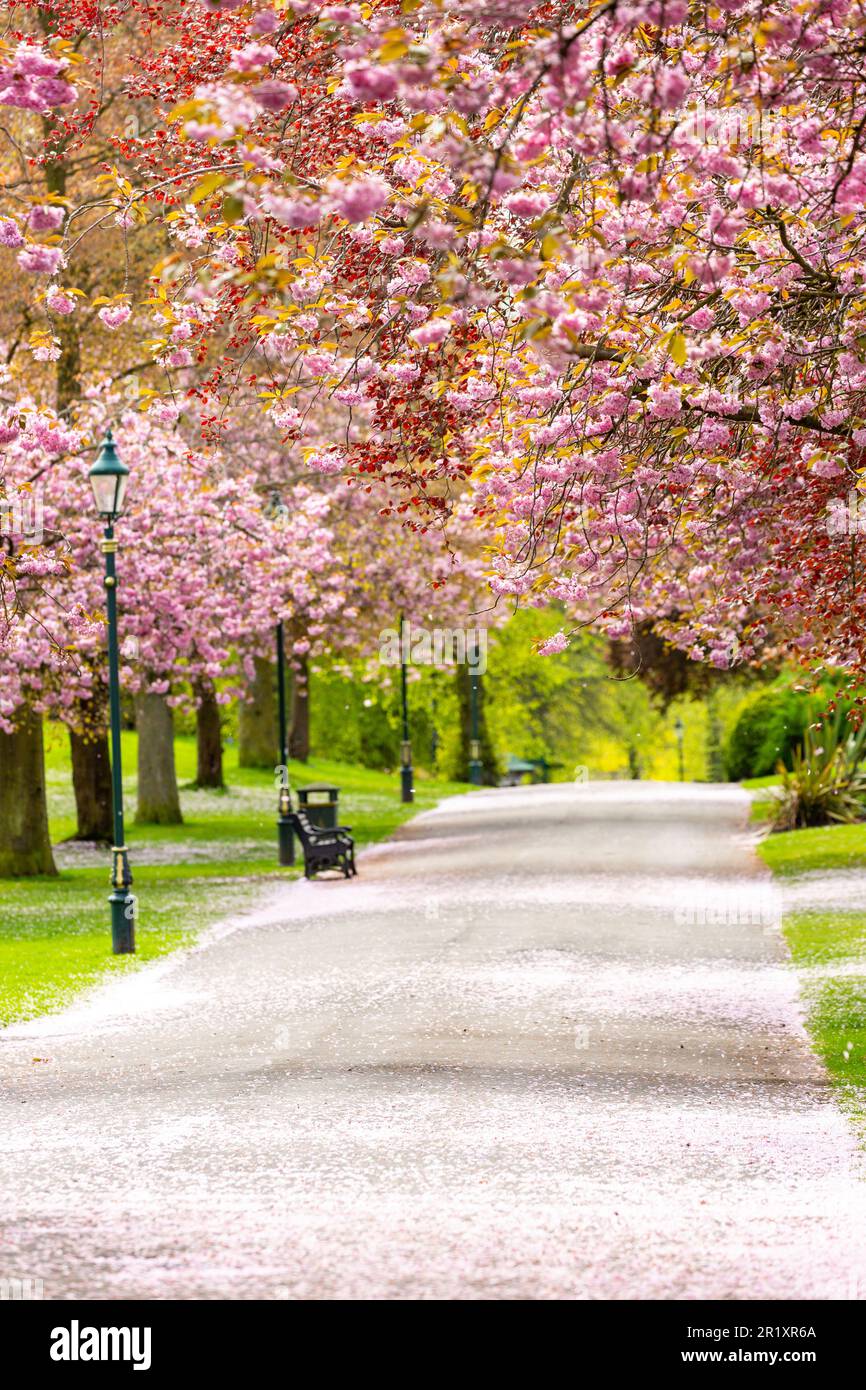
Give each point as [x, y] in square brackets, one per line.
[307, 831]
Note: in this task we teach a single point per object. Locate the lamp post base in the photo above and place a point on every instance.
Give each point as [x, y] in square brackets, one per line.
[475, 773]
[122, 922]
[407, 791]
[286, 842]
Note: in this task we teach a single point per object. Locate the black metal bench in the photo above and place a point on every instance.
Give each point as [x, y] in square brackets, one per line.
[324, 849]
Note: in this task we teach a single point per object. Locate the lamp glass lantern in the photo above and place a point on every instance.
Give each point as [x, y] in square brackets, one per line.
[108, 479]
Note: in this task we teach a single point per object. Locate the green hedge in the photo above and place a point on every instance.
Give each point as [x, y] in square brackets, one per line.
[767, 728]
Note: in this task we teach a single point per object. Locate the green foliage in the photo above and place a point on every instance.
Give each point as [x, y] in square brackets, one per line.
[769, 723]
[574, 710]
[490, 769]
[356, 715]
[826, 781]
[768, 726]
[715, 753]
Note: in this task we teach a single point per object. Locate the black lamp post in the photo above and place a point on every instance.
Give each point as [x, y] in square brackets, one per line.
[108, 478]
[407, 793]
[679, 730]
[474, 740]
[285, 838]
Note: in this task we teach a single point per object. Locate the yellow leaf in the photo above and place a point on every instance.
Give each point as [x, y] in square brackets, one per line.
[185, 111]
[208, 185]
[391, 52]
[677, 349]
[462, 214]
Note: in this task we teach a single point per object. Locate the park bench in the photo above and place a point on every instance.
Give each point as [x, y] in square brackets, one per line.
[324, 849]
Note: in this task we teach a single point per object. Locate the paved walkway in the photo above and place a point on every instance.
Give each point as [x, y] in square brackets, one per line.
[547, 1045]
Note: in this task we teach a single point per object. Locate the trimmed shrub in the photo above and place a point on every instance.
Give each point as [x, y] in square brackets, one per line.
[769, 725]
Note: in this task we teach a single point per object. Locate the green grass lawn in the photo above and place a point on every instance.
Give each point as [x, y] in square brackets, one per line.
[825, 847]
[54, 932]
[833, 943]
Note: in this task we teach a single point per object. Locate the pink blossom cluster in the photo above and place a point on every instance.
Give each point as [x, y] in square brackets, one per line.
[32, 81]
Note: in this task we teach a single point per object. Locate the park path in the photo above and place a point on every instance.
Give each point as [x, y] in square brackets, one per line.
[535, 1050]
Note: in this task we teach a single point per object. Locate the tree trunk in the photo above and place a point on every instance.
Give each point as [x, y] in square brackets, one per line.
[91, 779]
[299, 737]
[25, 846]
[489, 765]
[209, 741]
[258, 739]
[158, 799]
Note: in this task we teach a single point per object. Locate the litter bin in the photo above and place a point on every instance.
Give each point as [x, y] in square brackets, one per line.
[320, 800]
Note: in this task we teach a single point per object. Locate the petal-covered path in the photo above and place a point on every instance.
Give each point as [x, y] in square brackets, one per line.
[547, 1045]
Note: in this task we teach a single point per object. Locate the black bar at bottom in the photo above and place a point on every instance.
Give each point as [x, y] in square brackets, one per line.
[60, 1337]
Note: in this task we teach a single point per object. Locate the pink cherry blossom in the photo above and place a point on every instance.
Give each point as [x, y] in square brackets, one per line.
[432, 333]
[292, 212]
[252, 56]
[358, 201]
[264, 22]
[274, 95]
[114, 315]
[665, 401]
[10, 233]
[45, 218]
[58, 301]
[41, 260]
[325, 461]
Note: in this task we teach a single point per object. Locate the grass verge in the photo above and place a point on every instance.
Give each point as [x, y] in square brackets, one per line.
[54, 932]
[824, 847]
[830, 948]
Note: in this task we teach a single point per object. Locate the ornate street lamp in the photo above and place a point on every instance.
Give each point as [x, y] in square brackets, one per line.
[285, 837]
[108, 478]
[407, 793]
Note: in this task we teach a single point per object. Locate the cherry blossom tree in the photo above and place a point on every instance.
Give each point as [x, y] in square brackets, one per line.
[593, 269]
[593, 254]
[67, 282]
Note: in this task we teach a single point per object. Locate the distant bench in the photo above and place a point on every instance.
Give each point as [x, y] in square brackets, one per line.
[324, 849]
